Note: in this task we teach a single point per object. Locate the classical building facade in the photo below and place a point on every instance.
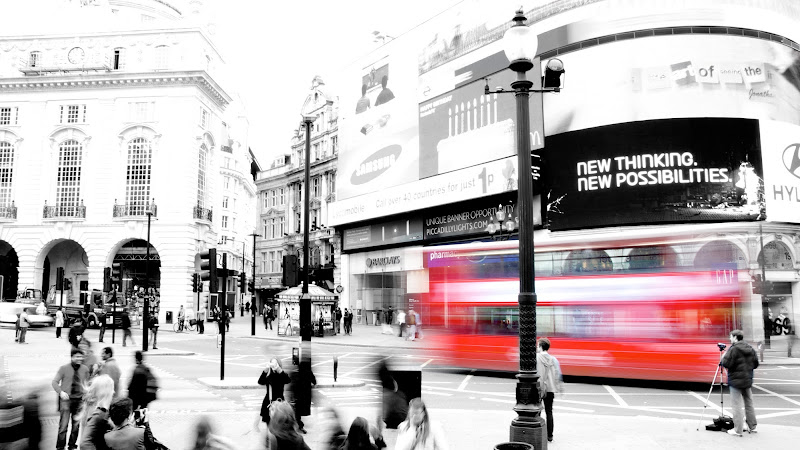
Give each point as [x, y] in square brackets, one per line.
[110, 110]
[280, 192]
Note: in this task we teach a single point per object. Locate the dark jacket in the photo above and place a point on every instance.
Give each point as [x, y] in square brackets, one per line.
[126, 321]
[93, 433]
[126, 437]
[137, 389]
[275, 383]
[62, 382]
[740, 360]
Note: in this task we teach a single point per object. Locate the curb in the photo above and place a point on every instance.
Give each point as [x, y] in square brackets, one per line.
[247, 383]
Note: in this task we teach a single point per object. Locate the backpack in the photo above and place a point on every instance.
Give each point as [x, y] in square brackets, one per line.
[152, 385]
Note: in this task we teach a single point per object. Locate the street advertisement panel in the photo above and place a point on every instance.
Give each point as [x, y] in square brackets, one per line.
[384, 233]
[660, 171]
[780, 147]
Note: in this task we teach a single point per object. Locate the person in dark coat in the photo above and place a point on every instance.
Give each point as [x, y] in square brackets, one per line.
[137, 389]
[275, 379]
[302, 381]
[740, 359]
[75, 333]
[126, 329]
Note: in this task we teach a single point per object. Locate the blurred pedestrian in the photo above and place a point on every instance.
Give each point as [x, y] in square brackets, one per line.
[418, 324]
[205, 439]
[128, 436]
[70, 384]
[338, 322]
[101, 318]
[94, 420]
[275, 380]
[336, 434]
[401, 321]
[23, 326]
[16, 329]
[411, 324]
[741, 360]
[109, 367]
[418, 432]
[89, 358]
[59, 322]
[126, 328]
[550, 381]
[358, 438]
[241, 309]
[247, 307]
[20, 427]
[283, 433]
[201, 320]
[228, 315]
[138, 390]
[302, 380]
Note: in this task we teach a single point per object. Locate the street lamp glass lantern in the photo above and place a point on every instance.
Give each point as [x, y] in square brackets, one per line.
[520, 41]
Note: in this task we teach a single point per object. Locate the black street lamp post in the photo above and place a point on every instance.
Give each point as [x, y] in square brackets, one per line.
[520, 44]
[146, 315]
[305, 300]
[253, 307]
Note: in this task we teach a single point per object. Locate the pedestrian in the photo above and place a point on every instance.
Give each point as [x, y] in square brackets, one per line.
[20, 426]
[75, 334]
[201, 320]
[109, 367]
[69, 383]
[205, 439]
[418, 324]
[411, 324]
[390, 315]
[247, 307]
[241, 309]
[95, 422]
[336, 435]
[275, 379]
[321, 325]
[181, 318]
[153, 326]
[358, 438]
[550, 381]
[89, 358]
[348, 322]
[227, 316]
[126, 328]
[101, 318]
[401, 321]
[338, 322]
[23, 326]
[16, 329]
[300, 388]
[124, 435]
[59, 322]
[138, 387]
[740, 359]
[418, 432]
[270, 316]
[283, 433]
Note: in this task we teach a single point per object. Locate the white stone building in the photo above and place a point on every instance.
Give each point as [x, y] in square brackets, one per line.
[281, 191]
[107, 107]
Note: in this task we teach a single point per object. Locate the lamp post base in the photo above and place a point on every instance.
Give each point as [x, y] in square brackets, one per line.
[531, 430]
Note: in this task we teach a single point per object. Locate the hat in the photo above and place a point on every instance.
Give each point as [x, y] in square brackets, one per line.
[74, 351]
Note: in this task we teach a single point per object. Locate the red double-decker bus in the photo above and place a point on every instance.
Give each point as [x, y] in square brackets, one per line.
[635, 310]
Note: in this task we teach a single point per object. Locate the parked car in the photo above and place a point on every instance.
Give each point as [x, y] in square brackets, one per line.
[9, 312]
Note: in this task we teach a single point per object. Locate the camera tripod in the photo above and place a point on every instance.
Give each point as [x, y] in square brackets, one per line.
[722, 416]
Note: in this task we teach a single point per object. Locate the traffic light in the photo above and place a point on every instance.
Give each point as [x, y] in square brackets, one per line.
[107, 279]
[67, 284]
[116, 276]
[59, 278]
[251, 286]
[195, 280]
[208, 267]
[242, 282]
[291, 274]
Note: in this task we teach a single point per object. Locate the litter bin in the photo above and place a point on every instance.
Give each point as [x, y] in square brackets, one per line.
[169, 316]
[514, 446]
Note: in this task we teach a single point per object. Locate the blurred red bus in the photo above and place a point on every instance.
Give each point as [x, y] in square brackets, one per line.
[639, 311]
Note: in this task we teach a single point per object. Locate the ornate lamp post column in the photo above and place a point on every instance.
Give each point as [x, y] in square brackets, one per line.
[146, 316]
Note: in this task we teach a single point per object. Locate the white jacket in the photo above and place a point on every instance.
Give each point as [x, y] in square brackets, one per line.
[406, 435]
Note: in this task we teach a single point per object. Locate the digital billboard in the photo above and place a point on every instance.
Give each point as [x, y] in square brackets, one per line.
[659, 171]
[780, 148]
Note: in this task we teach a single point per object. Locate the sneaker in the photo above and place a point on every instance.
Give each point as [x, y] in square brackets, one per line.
[734, 433]
[752, 431]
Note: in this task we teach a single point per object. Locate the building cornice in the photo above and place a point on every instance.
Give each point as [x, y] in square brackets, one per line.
[198, 78]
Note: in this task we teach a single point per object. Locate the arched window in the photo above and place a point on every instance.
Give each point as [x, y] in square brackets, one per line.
[6, 172]
[202, 168]
[137, 187]
[68, 183]
[776, 256]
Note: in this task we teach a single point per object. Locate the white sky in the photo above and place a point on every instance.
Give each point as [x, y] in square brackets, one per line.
[275, 48]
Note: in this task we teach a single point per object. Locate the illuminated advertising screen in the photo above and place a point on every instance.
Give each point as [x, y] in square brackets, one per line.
[780, 144]
[660, 171]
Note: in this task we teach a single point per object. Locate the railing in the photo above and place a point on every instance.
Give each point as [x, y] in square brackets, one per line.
[56, 211]
[8, 212]
[135, 210]
[203, 213]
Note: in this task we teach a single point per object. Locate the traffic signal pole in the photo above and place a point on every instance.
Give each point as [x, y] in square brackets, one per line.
[224, 315]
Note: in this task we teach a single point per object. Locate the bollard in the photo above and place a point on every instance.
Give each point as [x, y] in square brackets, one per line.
[335, 366]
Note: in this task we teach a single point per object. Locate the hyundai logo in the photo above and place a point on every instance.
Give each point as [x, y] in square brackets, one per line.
[791, 159]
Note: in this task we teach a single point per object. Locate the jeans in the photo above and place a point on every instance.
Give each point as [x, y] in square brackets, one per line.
[153, 336]
[548, 411]
[126, 333]
[102, 333]
[69, 414]
[58, 332]
[738, 396]
[22, 332]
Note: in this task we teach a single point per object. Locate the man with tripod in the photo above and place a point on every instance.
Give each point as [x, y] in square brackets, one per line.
[741, 360]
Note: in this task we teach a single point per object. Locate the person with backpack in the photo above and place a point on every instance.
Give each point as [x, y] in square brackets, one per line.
[143, 386]
[550, 381]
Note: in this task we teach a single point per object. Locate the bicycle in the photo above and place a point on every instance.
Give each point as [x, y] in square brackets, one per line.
[187, 325]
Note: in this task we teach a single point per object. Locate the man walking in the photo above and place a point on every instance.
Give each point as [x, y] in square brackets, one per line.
[109, 367]
[401, 321]
[137, 388]
[270, 316]
[69, 383]
[741, 360]
[201, 320]
[338, 321]
[59, 322]
[247, 307]
[23, 326]
[154, 328]
[101, 317]
[241, 309]
[126, 329]
[550, 381]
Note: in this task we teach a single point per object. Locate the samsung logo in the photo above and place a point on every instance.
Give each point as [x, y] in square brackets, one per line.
[376, 164]
[385, 261]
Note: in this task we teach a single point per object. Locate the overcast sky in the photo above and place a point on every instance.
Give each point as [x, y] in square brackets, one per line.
[275, 48]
